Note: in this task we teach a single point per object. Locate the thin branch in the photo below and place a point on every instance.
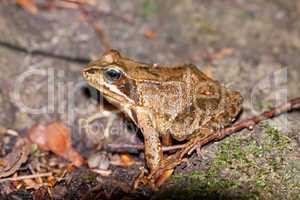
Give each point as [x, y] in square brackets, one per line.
[37, 52]
[12, 132]
[103, 37]
[25, 177]
[125, 146]
[96, 12]
[246, 123]
[92, 22]
[139, 147]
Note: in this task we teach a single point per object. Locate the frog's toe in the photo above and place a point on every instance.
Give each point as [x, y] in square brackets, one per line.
[162, 178]
[154, 181]
[141, 180]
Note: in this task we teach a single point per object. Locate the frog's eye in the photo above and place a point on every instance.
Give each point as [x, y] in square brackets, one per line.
[112, 74]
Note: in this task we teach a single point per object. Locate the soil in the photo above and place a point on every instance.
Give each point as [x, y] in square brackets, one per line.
[250, 46]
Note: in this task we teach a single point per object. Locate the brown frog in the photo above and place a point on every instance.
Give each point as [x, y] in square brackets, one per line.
[178, 102]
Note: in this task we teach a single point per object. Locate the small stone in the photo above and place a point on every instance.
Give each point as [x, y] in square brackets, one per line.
[99, 161]
[23, 121]
[250, 128]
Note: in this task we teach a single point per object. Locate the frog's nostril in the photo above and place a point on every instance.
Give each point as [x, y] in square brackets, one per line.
[88, 71]
[84, 73]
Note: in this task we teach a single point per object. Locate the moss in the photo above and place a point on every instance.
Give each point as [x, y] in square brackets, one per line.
[264, 105]
[35, 151]
[245, 168]
[149, 7]
[206, 27]
[90, 177]
[201, 185]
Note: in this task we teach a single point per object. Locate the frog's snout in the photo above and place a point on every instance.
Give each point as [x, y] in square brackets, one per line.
[83, 72]
[89, 72]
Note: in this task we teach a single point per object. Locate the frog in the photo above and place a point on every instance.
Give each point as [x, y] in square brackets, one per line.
[167, 103]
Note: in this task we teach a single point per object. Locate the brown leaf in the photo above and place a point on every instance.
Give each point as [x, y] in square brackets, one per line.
[30, 183]
[29, 5]
[51, 181]
[124, 160]
[223, 53]
[37, 135]
[127, 160]
[70, 168]
[150, 34]
[12, 161]
[56, 138]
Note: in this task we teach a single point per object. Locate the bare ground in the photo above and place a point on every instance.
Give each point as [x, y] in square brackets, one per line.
[253, 47]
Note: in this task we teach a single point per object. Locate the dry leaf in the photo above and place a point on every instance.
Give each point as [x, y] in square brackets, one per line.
[70, 168]
[51, 181]
[102, 172]
[29, 5]
[124, 160]
[37, 135]
[2, 130]
[127, 160]
[223, 53]
[150, 34]
[12, 161]
[18, 185]
[30, 183]
[56, 138]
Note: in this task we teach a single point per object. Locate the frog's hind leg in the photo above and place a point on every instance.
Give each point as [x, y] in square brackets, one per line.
[153, 149]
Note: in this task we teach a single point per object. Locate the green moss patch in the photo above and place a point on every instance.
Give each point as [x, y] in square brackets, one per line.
[260, 166]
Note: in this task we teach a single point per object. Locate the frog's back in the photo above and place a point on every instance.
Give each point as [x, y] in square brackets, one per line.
[210, 106]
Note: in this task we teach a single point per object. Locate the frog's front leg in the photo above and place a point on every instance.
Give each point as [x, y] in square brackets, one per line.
[160, 169]
[153, 149]
[155, 161]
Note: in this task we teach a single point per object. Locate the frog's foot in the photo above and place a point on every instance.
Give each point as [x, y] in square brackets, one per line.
[141, 180]
[152, 180]
[85, 123]
[191, 146]
[197, 148]
[158, 176]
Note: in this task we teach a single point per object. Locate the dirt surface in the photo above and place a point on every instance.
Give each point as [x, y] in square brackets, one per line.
[250, 46]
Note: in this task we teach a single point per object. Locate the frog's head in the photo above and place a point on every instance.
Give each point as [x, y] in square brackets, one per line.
[112, 76]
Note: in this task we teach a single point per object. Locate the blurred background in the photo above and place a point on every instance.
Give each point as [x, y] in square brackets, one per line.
[250, 46]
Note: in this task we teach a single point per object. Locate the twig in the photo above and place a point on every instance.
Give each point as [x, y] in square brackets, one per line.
[37, 186]
[140, 147]
[246, 123]
[101, 12]
[96, 26]
[12, 132]
[25, 177]
[44, 53]
[93, 23]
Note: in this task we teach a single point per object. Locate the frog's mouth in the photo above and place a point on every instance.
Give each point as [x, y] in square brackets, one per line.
[112, 96]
